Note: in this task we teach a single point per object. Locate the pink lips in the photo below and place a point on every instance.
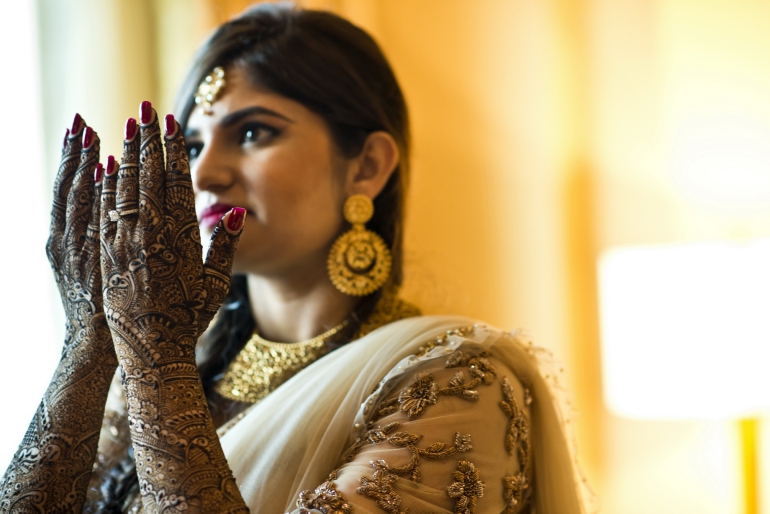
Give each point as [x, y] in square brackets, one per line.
[213, 213]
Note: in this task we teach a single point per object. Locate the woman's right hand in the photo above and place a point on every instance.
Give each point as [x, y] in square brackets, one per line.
[73, 246]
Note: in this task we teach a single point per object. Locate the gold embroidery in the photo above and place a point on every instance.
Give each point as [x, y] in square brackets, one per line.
[517, 434]
[443, 339]
[375, 435]
[380, 489]
[380, 486]
[467, 486]
[325, 498]
[424, 391]
[408, 441]
[478, 364]
[516, 487]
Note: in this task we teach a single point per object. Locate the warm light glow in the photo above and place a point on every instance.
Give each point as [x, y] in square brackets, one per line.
[685, 330]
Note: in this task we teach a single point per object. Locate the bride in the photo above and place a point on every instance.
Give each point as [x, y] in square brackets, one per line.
[305, 384]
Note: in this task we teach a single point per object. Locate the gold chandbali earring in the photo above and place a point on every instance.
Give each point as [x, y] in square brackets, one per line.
[359, 262]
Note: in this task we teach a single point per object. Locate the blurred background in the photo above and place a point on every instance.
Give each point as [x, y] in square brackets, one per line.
[568, 154]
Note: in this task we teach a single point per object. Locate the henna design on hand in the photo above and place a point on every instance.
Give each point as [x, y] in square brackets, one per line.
[52, 467]
[158, 298]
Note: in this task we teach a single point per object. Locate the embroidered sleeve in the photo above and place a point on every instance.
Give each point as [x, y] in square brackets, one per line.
[449, 437]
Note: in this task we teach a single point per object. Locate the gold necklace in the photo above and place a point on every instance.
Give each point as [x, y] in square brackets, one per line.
[263, 365]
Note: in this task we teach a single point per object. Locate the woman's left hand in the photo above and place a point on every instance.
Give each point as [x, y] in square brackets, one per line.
[159, 296]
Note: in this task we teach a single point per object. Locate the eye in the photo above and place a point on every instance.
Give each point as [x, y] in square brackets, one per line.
[256, 133]
[193, 150]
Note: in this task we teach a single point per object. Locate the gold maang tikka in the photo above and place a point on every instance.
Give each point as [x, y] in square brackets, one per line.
[359, 261]
[209, 89]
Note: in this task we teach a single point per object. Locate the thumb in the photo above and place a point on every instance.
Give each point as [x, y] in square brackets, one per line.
[219, 260]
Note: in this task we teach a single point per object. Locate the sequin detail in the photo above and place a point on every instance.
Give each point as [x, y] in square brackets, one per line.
[325, 498]
[466, 488]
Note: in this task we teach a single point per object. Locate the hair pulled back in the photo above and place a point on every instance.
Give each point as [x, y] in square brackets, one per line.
[336, 70]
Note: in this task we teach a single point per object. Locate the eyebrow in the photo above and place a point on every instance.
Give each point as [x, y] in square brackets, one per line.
[235, 117]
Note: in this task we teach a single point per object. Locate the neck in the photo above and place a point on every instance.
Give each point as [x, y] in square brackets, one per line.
[295, 310]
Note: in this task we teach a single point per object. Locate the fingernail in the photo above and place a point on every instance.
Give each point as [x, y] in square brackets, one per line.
[98, 173]
[88, 137]
[66, 136]
[170, 125]
[145, 112]
[130, 131]
[76, 124]
[111, 168]
[235, 221]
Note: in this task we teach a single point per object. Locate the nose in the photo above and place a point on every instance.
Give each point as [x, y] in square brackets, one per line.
[211, 170]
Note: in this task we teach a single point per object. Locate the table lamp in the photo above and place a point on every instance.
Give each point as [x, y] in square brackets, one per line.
[685, 332]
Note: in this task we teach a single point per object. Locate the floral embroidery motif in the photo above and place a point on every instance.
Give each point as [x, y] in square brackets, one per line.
[421, 393]
[517, 434]
[380, 489]
[380, 486]
[325, 498]
[375, 435]
[514, 489]
[443, 339]
[424, 391]
[478, 364]
[467, 486]
[433, 452]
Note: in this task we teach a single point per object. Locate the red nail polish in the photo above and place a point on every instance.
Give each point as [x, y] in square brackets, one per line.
[145, 112]
[88, 137]
[235, 222]
[170, 125]
[76, 124]
[98, 173]
[130, 131]
[111, 168]
[66, 136]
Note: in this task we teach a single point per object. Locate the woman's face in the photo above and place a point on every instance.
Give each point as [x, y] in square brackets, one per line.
[275, 158]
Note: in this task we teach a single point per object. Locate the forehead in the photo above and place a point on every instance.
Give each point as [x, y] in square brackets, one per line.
[239, 93]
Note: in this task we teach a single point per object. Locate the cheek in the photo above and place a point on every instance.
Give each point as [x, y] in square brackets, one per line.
[300, 194]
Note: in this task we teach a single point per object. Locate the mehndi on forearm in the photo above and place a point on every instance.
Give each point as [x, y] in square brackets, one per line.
[179, 461]
[158, 298]
[52, 467]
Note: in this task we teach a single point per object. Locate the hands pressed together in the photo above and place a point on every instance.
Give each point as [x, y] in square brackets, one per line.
[127, 257]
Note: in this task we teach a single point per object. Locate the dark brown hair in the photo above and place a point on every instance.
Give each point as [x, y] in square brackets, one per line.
[336, 70]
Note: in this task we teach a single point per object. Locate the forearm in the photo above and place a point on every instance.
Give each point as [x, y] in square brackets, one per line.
[179, 460]
[52, 467]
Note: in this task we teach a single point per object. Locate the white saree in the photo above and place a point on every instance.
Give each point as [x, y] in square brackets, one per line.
[377, 390]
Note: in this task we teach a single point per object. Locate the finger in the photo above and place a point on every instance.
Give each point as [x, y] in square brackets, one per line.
[107, 210]
[91, 246]
[80, 198]
[179, 191]
[152, 187]
[70, 161]
[219, 260]
[108, 221]
[127, 188]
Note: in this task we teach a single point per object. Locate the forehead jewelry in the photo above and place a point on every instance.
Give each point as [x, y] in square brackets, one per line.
[209, 89]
